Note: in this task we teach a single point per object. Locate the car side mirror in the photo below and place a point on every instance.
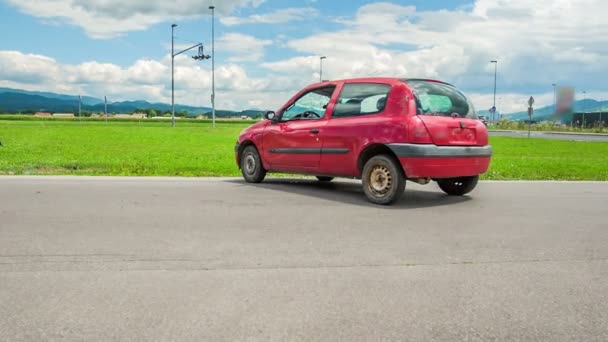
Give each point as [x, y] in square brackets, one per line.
[270, 115]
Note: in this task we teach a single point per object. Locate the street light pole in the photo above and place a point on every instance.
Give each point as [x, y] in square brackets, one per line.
[495, 72]
[173, 75]
[212, 8]
[321, 68]
[199, 56]
[601, 122]
[554, 100]
[584, 107]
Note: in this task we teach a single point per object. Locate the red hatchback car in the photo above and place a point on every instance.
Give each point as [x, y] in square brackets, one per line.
[383, 131]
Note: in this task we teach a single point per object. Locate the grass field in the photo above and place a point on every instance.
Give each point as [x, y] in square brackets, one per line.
[195, 149]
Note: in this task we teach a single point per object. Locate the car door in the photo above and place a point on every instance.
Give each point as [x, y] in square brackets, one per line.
[293, 142]
[356, 119]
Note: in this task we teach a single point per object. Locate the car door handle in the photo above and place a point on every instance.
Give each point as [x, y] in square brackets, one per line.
[314, 131]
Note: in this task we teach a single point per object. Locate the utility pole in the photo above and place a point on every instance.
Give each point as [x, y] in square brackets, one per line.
[495, 73]
[584, 107]
[321, 68]
[174, 54]
[601, 108]
[79, 106]
[105, 108]
[173, 74]
[554, 100]
[212, 8]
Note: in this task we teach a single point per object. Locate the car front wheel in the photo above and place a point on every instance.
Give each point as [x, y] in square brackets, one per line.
[383, 180]
[458, 186]
[251, 165]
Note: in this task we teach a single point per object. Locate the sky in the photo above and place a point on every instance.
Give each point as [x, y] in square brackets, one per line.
[267, 50]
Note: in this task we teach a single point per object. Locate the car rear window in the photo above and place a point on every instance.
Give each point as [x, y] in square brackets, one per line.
[440, 99]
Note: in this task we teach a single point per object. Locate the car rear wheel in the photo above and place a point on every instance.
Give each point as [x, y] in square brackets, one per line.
[325, 178]
[458, 186]
[383, 180]
[251, 165]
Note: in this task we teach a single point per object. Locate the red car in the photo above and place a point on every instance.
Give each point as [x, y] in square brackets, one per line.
[383, 131]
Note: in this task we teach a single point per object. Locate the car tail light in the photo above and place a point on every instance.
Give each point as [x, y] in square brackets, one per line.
[418, 134]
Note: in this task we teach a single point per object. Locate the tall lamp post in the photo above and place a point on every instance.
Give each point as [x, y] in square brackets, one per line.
[212, 8]
[584, 106]
[495, 72]
[554, 98]
[555, 117]
[321, 68]
[200, 56]
[173, 26]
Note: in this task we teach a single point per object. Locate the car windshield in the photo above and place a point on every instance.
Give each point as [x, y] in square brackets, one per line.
[440, 99]
[309, 106]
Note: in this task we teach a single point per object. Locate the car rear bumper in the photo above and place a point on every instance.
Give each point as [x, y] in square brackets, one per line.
[434, 161]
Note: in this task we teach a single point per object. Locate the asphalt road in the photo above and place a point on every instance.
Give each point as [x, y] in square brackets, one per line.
[552, 135]
[220, 260]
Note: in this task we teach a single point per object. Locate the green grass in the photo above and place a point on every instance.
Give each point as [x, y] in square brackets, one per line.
[195, 149]
[118, 148]
[541, 159]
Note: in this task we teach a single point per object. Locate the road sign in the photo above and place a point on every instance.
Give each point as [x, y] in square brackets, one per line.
[530, 113]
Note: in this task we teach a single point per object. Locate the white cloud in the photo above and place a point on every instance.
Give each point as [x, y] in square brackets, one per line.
[109, 18]
[511, 102]
[28, 69]
[242, 47]
[537, 43]
[145, 79]
[283, 15]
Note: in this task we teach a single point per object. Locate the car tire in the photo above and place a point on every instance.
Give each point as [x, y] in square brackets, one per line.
[383, 180]
[325, 178]
[251, 165]
[458, 186]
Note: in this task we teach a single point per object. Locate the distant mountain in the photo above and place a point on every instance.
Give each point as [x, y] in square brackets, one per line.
[85, 99]
[546, 113]
[15, 103]
[22, 101]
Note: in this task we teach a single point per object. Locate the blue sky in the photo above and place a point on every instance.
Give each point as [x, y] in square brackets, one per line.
[70, 44]
[267, 50]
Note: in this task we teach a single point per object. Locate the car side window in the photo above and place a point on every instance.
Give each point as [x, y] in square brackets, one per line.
[310, 106]
[361, 99]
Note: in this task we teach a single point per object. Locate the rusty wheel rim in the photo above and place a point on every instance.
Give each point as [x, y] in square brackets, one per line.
[380, 180]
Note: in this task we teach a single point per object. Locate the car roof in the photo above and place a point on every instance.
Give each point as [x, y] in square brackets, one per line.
[389, 80]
